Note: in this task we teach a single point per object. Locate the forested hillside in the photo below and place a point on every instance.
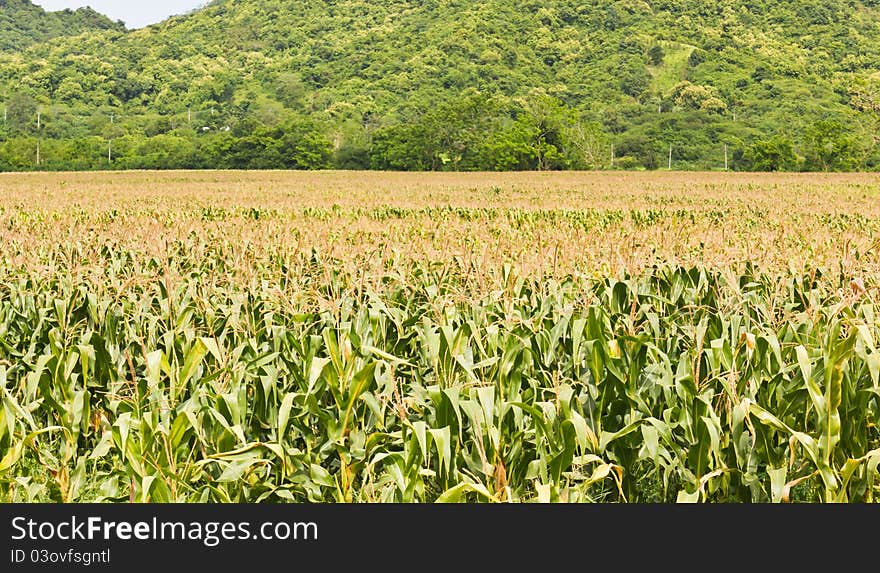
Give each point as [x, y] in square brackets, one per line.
[23, 24]
[454, 84]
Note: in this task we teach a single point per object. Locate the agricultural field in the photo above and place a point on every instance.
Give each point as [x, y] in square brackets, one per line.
[382, 337]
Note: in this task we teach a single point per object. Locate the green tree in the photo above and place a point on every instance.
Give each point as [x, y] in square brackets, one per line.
[302, 145]
[656, 55]
[536, 139]
[21, 110]
[774, 154]
[635, 80]
[830, 147]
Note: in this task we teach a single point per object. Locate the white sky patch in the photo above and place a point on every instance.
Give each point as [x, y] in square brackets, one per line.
[134, 14]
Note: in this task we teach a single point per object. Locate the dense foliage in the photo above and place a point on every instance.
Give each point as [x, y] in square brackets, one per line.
[23, 24]
[452, 84]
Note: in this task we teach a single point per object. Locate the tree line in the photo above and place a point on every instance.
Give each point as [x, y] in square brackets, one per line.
[475, 132]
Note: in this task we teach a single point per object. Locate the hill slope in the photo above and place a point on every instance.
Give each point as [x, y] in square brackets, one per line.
[502, 84]
[23, 24]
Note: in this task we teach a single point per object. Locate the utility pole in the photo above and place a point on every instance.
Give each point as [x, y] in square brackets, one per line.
[670, 157]
[725, 157]
[38, 152]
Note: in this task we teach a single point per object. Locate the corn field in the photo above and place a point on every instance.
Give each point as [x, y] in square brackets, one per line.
[252, 338]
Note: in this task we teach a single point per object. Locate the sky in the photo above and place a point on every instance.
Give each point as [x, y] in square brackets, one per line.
[135, 14]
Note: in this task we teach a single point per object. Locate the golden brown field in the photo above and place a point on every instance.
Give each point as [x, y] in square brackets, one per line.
[561, 222]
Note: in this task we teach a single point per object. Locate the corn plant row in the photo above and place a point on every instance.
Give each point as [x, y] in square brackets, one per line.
[157, 380]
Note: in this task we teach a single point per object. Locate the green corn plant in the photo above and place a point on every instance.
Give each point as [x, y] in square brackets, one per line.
[181, 378]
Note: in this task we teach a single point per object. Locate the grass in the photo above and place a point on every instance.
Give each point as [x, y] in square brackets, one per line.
[674, 67]
[327, 337]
